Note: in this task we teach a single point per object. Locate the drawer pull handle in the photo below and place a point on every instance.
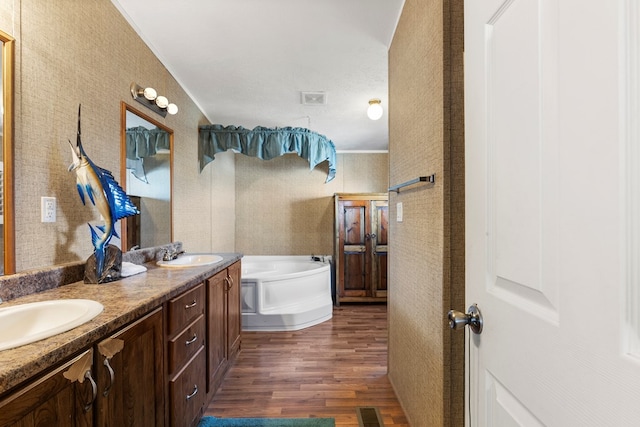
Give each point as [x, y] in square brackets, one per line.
[192, 340]
[94, 390]
[193, 393]
[193, 304]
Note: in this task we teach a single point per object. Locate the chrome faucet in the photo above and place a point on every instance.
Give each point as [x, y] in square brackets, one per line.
[170, 254]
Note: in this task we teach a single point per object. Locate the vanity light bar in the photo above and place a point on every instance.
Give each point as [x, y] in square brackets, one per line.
[150, 99]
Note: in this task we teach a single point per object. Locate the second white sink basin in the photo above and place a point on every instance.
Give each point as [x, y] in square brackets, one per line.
[26, 323]
[191, 260]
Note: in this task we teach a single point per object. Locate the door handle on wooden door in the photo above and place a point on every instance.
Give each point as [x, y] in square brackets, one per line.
[473, 318]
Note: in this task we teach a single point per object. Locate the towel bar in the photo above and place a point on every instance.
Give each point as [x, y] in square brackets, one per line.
[431, 179]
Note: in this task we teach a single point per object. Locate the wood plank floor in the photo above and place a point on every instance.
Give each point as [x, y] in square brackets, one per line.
[327, 370]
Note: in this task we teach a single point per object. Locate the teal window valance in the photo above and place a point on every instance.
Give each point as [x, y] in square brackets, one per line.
[142, 142]
[266, 144]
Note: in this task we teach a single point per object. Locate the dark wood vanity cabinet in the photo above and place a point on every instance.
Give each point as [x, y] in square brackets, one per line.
[224, 324]
[160, 370]
[53, 400]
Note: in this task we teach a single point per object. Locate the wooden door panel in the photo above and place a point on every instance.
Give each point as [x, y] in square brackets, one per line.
[136, 395]
[234, 313]
[381, 271]
[354, 225]
[379, 252]
[355, 283]
[381, 225]
[217, 327]
[52, 400]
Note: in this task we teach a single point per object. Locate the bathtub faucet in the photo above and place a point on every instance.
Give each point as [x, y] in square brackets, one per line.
[317, 258]
[170, 254]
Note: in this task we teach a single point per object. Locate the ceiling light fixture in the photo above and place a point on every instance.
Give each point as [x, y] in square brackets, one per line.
[374, 112]
[150, 99]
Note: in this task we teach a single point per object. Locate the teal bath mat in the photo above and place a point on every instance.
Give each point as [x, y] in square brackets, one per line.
[266, 422]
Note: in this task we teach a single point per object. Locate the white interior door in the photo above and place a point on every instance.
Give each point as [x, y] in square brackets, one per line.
[551, 106]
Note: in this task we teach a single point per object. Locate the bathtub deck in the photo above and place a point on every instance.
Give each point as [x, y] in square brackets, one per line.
[327, 370]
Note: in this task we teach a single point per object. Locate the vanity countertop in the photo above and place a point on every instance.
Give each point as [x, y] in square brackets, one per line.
[124, 301]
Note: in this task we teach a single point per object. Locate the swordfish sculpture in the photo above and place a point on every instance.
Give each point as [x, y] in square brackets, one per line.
[113, 204]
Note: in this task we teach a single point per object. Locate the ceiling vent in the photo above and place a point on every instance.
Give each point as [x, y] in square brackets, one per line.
[313, 98]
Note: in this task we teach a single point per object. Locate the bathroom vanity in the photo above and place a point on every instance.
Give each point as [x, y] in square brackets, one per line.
[155, 356]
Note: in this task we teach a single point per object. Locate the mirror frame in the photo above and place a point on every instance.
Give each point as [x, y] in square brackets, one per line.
[8, 48]
[124, 107]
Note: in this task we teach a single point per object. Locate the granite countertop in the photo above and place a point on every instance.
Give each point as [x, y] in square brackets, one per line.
[124, 301]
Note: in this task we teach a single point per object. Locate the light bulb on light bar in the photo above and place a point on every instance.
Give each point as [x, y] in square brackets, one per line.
[374, 112]
[149, 93]
[162, 101]
[172, 108]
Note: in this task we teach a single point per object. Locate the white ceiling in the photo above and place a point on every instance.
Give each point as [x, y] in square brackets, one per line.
[246, 62]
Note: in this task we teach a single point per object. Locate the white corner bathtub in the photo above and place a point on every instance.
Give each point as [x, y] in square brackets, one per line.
[285, 293]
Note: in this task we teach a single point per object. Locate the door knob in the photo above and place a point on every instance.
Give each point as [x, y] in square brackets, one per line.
[473, 318]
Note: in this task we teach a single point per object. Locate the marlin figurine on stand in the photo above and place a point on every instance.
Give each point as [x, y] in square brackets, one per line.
[113, 204]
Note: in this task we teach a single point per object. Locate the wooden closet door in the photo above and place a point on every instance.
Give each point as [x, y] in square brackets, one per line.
[354, 227]
[380, 227]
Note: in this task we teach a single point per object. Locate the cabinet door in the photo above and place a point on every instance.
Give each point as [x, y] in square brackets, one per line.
[361, 247]
[53, 400]
[353, 229]
[234, 313]
[380, 227]
[130, 369]
[216, 330]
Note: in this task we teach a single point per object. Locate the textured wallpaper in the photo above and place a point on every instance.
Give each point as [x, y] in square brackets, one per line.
[68, 54]
[426, 249]
[283, 208]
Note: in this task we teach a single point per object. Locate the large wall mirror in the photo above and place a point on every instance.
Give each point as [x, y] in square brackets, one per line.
[147, 159]
[7, 232]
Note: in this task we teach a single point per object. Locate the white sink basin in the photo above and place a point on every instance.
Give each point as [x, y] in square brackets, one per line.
[25, 323]
[191, 260]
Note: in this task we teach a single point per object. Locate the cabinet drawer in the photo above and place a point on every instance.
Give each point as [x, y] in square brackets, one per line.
[186, 344]
[188, 392]
[184, 309]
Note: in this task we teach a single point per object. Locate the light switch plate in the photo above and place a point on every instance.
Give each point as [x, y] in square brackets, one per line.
[399, 212]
